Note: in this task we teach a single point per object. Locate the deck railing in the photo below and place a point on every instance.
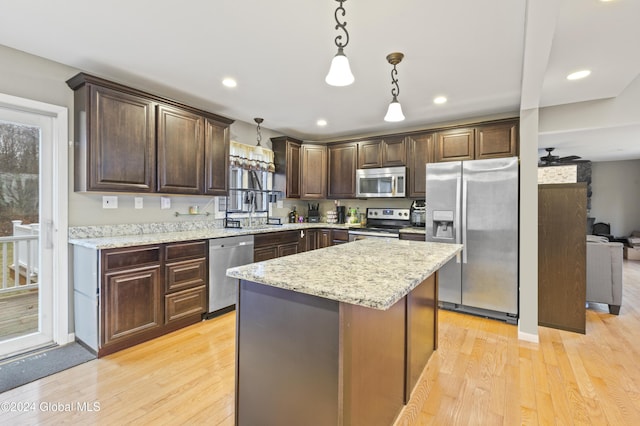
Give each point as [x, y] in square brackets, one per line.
[19, 258]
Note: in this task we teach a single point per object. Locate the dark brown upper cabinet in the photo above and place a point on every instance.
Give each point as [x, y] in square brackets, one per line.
[491, 140]
[216, 157]
[369, 154]
[419, 153]
[287, 177]
[180, 151]
[394, 152]
[115, 141]
[388, 152]
[455, 145]
[127, 140]
[313, 171]
[342, 164]
[497, 140]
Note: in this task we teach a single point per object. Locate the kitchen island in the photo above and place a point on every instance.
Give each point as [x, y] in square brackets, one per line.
[338, 335]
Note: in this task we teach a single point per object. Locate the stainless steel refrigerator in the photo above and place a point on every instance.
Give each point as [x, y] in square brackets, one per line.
[475, 203]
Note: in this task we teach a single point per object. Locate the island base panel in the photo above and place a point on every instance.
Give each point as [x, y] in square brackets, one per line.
[422, 330]
[373, 367]
[287, 357]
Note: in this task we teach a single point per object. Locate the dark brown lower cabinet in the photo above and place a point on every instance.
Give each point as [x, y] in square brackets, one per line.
[131, 305]
[316, 239]
[185, 304]
[339, 236]
[562, 251]
[412, 236]
[275, 244]
[186, 272]
[147, 291]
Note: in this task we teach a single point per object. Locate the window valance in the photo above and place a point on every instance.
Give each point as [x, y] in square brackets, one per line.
[251, 157]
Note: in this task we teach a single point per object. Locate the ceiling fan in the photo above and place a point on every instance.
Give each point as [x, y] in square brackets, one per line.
[555, 160]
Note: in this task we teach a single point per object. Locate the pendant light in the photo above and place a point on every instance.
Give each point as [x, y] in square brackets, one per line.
[340, 71]
[394, 113]
[259, 135]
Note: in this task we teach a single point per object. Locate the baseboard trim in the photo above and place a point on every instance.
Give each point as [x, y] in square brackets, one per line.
[528, 337]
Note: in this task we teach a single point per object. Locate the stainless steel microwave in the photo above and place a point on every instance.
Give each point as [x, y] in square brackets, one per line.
[381, 182]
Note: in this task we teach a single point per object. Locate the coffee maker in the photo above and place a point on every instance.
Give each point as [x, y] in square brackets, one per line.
[342, 214]
[418, 213]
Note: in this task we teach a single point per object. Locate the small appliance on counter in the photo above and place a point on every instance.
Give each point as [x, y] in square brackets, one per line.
[293, 215]
[418, 213]
[332, 216]
[342, 214]
[314, 213]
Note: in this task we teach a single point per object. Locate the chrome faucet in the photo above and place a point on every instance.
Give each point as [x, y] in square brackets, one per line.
[251, 199]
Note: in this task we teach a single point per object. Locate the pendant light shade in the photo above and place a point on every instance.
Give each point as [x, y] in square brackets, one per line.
[340, 71]
[394, 113]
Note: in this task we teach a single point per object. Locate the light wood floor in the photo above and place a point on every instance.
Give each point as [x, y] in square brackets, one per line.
[481, 374]
[18, 313]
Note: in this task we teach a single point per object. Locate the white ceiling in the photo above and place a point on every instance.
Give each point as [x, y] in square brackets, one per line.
[279, 51]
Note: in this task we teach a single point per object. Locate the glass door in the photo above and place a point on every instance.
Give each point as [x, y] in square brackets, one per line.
[27, 195]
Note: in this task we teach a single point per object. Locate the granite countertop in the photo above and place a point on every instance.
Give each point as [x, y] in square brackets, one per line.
[374, 272]
[161, 236]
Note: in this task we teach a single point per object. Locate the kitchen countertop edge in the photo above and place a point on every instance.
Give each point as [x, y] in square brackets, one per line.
[374, 273]
[122, 241]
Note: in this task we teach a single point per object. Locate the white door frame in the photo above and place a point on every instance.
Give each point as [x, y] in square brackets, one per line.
[54, 229]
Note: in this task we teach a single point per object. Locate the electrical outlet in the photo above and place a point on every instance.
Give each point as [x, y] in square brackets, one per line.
[165, 203]
[137, 202]
[110, 202]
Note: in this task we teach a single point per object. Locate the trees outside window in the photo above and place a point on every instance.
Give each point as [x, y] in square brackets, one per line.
[19, 164]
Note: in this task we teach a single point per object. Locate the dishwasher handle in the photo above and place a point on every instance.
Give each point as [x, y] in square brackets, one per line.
[230, 245]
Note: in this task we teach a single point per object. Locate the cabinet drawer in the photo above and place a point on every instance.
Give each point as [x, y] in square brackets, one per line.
[287, 249]
[276, 238]
[265, 253]
[185, 303]
[185, 274]
[130, 257]
[186, 250]
[340, 236]
[412, 236]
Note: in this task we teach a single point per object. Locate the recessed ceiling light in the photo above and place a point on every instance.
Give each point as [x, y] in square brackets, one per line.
[321, 122]
[439, 100]
[229, 82]
[578, 75]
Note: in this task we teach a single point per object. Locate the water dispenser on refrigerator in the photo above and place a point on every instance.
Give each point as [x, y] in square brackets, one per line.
[443, 225]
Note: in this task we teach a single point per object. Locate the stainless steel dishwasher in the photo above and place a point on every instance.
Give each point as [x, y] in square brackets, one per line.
[226, 253]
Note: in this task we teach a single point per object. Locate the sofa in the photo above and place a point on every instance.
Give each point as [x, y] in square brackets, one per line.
[604, 272]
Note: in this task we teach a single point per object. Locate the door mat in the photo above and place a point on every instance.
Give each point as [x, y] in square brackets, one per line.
[18, 372]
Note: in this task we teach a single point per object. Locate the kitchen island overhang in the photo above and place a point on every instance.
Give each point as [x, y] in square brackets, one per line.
[336, 336]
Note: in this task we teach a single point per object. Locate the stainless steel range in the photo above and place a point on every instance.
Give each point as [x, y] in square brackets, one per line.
[382, 223]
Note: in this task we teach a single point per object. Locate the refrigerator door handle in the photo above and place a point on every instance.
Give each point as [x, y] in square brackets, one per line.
[464, 221]
[457, 216]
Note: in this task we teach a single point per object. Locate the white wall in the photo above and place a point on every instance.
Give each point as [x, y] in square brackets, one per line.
[36, 78]
[616, 195]
[528, 273]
